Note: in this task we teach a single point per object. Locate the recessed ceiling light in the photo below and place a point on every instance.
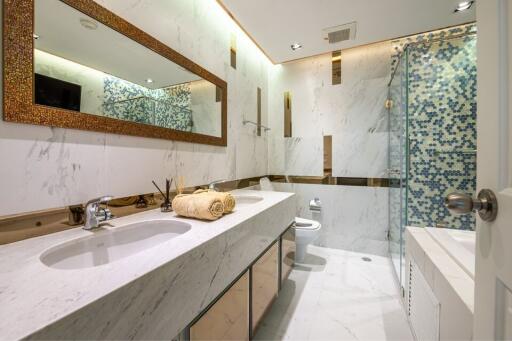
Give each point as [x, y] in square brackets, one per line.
[149, 80]
[88, 23]
[296, 46]
[464, 5]
[35, 36]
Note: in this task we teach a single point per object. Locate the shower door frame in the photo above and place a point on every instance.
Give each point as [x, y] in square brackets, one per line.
[404, 162]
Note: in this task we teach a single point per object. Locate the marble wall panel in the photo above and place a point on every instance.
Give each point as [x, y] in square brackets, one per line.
[45, 167]
[353, 110]
[248, 148]
[360, 154]
[296, 155]
[353, 218]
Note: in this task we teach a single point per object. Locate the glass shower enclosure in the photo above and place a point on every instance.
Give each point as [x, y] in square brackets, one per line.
[432, 136]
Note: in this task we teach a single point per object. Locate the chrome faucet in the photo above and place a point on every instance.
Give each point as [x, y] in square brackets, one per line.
[213, 185]
[93, 215]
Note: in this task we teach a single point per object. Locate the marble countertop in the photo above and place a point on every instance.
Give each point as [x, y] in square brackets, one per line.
[33, 296]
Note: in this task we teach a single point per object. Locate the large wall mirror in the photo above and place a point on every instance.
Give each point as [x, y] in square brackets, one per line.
[74, 64]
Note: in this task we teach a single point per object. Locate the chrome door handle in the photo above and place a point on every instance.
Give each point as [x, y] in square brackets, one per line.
[485, 204]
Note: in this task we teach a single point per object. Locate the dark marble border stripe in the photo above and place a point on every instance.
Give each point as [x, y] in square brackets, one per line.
[32, 224]
[316, 180]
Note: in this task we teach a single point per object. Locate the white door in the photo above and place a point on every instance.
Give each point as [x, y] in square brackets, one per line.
[493, 278]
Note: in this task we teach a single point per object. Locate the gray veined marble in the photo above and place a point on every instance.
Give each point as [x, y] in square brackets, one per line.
[352, 112]
[353, 218]
[360, 154]
[251, 155]
[51, 168]
[153, 294]
[296, 155]
[336, 295]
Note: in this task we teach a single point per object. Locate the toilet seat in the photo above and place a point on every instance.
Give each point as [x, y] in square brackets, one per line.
[306, 224]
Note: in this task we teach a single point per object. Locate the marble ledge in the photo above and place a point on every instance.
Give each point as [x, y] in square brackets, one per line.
[442, 273]
[153, 294]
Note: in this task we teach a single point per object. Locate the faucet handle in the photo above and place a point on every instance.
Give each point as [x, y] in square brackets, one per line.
[99, 200]
[91, 212]
[213, 183]
[103, 214]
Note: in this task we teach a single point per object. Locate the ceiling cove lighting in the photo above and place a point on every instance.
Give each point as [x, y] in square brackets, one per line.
[464, 5]
[296, 46]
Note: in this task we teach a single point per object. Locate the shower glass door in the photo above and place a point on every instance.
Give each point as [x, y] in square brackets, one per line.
[432, 136]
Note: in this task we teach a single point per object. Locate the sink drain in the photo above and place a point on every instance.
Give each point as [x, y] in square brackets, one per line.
[366, 259]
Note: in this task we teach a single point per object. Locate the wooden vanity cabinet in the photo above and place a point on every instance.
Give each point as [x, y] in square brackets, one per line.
[238, 312]
[287, 253]
[228, 317]
[264, 284]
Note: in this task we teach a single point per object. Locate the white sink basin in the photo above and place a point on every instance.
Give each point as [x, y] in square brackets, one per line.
[110, 245]
[246, 200]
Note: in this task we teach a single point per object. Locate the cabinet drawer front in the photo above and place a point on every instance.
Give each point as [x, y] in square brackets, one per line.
[265, 283]
[228, 318]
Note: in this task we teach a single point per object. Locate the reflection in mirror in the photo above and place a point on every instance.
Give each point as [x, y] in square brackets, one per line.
[82, 65]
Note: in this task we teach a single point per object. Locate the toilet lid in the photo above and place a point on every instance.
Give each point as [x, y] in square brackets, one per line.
[306, 224]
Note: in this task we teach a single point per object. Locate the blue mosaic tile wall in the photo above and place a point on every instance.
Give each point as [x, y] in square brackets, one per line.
[168, 107]
[398, 45]
[441, 121]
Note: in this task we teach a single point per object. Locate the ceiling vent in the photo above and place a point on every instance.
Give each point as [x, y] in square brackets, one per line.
[340, 33]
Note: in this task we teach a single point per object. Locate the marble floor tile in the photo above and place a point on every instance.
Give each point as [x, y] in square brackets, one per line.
[335, 295]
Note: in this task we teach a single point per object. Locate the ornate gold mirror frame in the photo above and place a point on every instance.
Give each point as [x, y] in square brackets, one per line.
[18, 79]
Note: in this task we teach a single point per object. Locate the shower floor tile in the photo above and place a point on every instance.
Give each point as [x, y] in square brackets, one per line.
[337, 295]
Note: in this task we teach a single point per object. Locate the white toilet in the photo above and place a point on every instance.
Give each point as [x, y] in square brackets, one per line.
[306, 231]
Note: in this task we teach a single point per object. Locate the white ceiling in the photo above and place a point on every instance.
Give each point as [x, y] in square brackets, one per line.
[276, 24]
[104, 49]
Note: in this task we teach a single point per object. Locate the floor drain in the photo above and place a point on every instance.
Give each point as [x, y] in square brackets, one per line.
[366, 259]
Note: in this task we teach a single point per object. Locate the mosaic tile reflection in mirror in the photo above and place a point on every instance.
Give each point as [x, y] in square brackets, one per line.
[96, 70]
